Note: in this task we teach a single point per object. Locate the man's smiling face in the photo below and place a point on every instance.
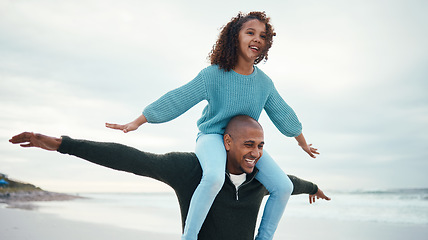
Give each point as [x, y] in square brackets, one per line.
[244, 146]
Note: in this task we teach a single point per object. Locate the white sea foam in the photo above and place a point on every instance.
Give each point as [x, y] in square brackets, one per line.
[408, 206]
[159, 212]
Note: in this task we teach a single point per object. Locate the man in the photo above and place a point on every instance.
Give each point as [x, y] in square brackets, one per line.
[233, 214]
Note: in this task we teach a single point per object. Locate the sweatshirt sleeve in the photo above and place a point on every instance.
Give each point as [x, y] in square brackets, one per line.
[169, 168]
[282, 115]
[301, 186]
[177, 101]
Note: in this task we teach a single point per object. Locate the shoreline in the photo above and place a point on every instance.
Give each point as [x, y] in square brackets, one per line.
[18, 194]
[16, 224]
[300, 228]
[114, 216]
[23, 199]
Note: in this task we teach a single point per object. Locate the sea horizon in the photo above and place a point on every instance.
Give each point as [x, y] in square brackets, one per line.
[401, 205]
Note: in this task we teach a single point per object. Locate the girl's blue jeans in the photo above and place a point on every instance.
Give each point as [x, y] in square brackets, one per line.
[212, 157]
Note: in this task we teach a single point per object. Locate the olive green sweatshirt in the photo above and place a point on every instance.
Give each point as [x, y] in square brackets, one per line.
[233, 214]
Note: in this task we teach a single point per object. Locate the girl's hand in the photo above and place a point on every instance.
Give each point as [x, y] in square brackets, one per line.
[134, 125]
[125, 128]
[310, 150]
[307, 148]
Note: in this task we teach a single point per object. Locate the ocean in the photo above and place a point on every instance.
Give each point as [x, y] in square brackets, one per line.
[400, 206]
[159, 212]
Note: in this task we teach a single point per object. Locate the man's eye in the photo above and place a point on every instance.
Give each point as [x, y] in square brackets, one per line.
[249, 145]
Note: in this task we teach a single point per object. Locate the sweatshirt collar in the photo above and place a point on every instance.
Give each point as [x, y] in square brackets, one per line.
[254, 73]
[250, 177]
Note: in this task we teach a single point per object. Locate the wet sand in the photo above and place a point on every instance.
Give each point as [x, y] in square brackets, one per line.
[18, 224]
[309, 229]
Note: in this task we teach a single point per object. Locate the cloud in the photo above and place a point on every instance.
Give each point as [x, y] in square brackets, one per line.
[355, 73]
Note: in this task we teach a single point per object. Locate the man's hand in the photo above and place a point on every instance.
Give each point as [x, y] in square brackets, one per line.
[29, 139]
[319, 194]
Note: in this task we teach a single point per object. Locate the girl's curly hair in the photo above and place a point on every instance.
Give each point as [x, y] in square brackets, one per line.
[224, 52]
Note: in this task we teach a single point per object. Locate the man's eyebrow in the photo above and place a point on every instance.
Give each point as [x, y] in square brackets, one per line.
[252, 141]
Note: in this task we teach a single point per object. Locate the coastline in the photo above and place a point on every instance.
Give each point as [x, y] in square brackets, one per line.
[300, 228]
[23, 198]
[16, 224]
[156, 216]
[18, 194]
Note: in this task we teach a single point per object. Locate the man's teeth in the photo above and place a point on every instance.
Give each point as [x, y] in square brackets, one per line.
[250, 161]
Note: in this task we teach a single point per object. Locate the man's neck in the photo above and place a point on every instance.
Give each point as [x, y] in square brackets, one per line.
[238, 179]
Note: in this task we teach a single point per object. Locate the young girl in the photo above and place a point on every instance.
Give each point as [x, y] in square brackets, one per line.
[232, 85]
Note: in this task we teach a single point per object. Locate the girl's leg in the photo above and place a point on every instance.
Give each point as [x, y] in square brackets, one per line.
[280, 188]
[212, 157]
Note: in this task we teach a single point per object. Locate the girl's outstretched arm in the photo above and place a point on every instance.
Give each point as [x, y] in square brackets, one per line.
[134, 125]
[307, 148]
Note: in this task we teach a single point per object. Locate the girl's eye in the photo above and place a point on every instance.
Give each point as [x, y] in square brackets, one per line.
[263, 36]
[250, 33]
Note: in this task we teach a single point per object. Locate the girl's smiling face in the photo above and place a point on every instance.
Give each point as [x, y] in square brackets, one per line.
[252, 41]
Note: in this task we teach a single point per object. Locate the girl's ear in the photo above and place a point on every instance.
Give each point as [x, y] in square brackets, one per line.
[227, 141]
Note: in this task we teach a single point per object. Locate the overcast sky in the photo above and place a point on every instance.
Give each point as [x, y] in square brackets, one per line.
[355, 72]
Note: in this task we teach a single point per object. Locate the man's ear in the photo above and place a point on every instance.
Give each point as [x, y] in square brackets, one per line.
[227, 140]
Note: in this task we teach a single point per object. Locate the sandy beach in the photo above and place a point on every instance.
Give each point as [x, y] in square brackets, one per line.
[309, 229]
[19, 224]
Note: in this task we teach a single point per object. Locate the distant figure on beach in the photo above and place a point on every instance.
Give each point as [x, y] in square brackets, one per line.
[232, 85]
[233, 214]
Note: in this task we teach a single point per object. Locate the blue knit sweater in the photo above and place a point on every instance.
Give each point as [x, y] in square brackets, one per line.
[228, 94]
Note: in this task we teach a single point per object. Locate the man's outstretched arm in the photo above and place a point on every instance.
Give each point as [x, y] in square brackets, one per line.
[305, 187]
[163, 167]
